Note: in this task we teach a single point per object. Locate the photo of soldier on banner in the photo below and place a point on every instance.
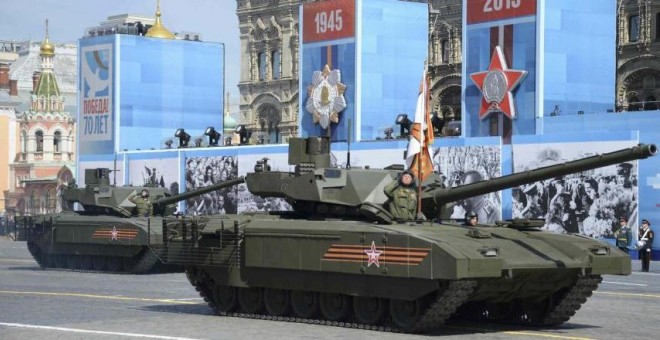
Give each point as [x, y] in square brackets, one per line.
[589, 203]
[468, 164]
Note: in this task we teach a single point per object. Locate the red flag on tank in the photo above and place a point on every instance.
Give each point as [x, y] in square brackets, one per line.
[418, 156]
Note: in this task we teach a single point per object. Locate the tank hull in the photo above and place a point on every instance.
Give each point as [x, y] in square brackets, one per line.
[95, 243]
[431, 270]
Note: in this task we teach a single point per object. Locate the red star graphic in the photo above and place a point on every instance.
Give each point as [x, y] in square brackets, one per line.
[373, 255]
[496, 85]
[114, 233]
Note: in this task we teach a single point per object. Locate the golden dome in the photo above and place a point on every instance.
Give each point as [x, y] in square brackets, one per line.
[47, 49]
[158, 30]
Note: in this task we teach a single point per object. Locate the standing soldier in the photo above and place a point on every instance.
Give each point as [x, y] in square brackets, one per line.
[623, 235]
[644, 244]
[402, 197]
[143, 204]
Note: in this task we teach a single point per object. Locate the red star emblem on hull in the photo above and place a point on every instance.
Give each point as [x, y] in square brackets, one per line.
[372, 255]
[496, 85]
[114, 233]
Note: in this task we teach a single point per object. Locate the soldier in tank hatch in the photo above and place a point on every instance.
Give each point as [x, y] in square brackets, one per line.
[402, 194]
[143, 203]
[471, 219]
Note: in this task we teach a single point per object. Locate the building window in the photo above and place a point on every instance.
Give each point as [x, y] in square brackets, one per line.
[634, 104]
[657, 26]
[57, 141]
[444, 49]
[24, 143]
[40, 141]
[262, 66]
[650, 103]
[633, 28]
[277, 67]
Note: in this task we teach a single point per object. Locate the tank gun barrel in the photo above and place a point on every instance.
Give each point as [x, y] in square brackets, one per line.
[442, 196]
[197, 192]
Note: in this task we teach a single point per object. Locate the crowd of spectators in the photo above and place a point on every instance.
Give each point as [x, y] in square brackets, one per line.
[205, 171]
[578, 203]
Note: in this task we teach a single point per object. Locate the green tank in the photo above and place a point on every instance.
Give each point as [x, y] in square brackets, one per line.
[340, 258]
[99, 229]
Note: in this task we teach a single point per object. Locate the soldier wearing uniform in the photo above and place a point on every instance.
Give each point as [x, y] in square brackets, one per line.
[645, 243]
[471, 219]
[143, 203]
[623, 235]
[402, 203]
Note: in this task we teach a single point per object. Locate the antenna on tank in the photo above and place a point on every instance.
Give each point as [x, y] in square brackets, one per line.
[348, 154]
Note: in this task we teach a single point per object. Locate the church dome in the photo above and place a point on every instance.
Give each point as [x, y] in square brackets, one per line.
[158, 30]
[230, 123]
[47, 48]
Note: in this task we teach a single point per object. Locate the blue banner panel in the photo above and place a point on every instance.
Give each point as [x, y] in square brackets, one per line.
[96, 93]
[165, 85]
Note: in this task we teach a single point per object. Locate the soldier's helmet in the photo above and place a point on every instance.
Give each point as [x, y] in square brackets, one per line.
[470, 215]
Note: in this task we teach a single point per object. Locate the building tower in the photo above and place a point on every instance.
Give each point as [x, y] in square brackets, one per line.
[268, 83]
[638, 50]
[47, 144]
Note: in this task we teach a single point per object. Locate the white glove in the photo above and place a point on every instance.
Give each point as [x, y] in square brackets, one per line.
[648, 250]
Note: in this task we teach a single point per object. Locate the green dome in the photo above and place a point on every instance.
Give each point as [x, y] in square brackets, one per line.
[230, 123]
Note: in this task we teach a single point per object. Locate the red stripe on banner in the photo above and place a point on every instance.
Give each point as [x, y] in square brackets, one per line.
[494, 39]
[507, 124]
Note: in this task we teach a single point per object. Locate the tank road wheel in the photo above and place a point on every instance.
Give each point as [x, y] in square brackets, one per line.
[85, 262]
[225, 298]
[115, 263]
[369, 310]
[406, 314]
[335, 307]
[530, 313]
[277, 302]
[72, 261]
[251, 300]
[305, 304]
[98, 263]
[59, 260]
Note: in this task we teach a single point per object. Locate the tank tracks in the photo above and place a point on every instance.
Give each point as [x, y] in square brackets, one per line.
[550, 311]
[145, 262]
[436, 312]
[566, 306]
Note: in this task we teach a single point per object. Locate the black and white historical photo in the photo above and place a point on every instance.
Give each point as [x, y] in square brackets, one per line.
[588, 203]
[468, 164]
[205, 171]
[246, 201]
[158, 172]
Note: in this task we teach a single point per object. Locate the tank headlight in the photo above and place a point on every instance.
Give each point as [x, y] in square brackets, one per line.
[600, 250]
[489, 252]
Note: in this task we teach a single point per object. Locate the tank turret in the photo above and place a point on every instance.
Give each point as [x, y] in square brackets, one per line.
[98, 197]
[316, 189]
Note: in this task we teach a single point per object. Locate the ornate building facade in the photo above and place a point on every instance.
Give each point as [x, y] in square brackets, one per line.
[638, 55]
[269, 68]
[46, 145]
[268, 84]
